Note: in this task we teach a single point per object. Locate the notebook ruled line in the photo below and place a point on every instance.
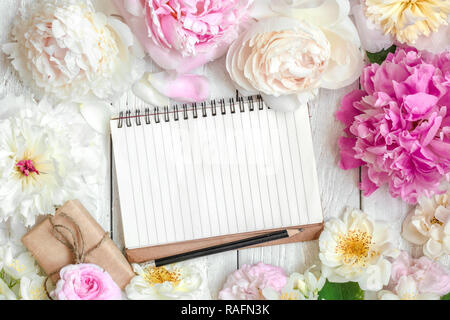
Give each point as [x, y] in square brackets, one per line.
[141, 185]
[132, 190]
[301, 165]
[151, 195]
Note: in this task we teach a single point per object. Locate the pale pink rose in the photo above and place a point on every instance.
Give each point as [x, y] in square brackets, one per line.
[248, 282]
[429, 275]
[182, 35]
[85, 282]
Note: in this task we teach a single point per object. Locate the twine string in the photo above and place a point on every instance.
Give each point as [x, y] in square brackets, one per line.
[76, 247]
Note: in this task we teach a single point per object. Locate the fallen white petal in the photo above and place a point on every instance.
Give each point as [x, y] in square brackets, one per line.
[97, 114]
[146, 92]
[286, 103]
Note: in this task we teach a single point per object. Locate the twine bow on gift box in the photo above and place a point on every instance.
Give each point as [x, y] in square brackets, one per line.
[76, 245]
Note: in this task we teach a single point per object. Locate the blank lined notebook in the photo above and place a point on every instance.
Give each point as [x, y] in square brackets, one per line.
[204, 174]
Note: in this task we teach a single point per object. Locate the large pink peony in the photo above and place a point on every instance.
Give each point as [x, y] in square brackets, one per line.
[182, 35]
[398, 125]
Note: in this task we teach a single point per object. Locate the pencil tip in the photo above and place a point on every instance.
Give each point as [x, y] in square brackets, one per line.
[293, 232]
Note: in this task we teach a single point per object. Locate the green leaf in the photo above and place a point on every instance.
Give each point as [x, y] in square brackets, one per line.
[341, 291]
[446, 297]
[379, 57]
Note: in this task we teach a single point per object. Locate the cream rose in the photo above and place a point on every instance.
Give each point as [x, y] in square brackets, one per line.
[279, 56]
[297, 38]
[429, 225]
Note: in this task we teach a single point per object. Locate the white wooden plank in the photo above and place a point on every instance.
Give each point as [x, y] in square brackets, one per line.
[338, 188]
[9, 82]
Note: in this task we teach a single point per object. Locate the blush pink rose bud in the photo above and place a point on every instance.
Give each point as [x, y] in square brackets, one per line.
[429, 275]
[248, 282]
[86, 282]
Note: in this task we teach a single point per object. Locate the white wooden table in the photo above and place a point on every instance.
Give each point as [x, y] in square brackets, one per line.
[338, 188]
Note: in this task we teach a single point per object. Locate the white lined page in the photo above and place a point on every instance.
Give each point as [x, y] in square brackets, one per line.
[215, 175]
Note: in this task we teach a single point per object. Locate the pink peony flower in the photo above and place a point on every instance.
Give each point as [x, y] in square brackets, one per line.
[429, 275]
[182, 35]
[398, 125]
[248, 282]
[85, 282]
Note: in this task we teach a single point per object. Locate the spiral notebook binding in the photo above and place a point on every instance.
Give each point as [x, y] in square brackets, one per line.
[186, 112]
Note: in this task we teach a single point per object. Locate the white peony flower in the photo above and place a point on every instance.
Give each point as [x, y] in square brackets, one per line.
[66, 50]
[298, 287]
[422, 24]
[5, 292]
[356, 249]
[47, 156]
[429, 225]
[373, 39]
[181, 281]
[321, 49]
[406, 289]
[32, 287]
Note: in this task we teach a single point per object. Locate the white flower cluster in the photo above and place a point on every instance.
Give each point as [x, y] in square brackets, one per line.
[20, 277]
[298, 287]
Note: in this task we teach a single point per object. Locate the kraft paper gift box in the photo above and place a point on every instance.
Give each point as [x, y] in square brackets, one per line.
[52, 255]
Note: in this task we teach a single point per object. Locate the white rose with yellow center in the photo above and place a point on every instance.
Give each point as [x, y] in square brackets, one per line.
[356, 249]
[66, 50]
[32, 287]
[181, 281]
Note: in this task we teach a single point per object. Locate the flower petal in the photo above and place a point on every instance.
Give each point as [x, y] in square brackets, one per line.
[183, 88]
[347, 59]
[323, 13]
[283, 103]
[97, 114]
[146, 92]
[373, 39]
